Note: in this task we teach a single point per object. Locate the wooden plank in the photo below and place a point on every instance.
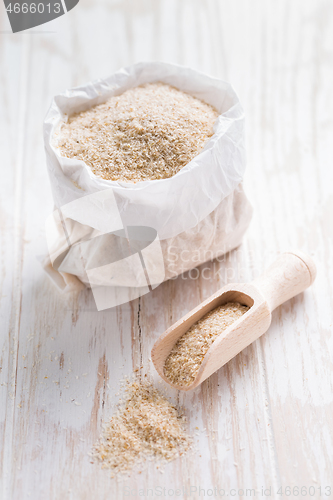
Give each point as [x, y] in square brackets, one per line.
[299, 182]
[12, 104]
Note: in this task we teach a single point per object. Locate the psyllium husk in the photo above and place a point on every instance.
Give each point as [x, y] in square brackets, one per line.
[184, 361]
[148, 132]
[145, 427]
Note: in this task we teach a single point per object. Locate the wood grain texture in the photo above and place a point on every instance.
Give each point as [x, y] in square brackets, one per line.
[289, 275]
[268, 412]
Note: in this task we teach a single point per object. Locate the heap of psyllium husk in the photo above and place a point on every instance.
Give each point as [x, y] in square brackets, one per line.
[184, 361]
[148, 132]
[145, 427]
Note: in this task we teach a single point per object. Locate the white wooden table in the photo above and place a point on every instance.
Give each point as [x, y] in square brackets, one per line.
[268, 413]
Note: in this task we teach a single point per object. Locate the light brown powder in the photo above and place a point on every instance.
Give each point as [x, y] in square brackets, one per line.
[184, 361]
[146, 426]
[148, 132]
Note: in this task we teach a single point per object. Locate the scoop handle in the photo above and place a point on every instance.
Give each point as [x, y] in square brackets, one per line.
[288, 276]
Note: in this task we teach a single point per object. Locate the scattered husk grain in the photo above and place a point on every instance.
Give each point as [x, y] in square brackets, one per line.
[146, 426]
[184, 361]
[148, 132]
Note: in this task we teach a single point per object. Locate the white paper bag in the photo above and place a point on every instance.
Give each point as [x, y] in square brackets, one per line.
[202, 210]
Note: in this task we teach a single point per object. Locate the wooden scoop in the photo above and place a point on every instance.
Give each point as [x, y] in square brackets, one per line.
[290, 275]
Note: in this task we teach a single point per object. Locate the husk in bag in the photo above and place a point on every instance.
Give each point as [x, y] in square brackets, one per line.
[196, 215]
